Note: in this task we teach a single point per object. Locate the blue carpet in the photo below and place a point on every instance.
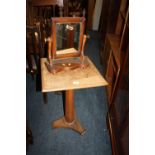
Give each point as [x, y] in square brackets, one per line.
[91, 109]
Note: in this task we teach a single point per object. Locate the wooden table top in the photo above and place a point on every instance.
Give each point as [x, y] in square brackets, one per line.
[71, 79]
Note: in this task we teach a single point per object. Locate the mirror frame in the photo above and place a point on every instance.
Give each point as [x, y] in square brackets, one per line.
[66, 20]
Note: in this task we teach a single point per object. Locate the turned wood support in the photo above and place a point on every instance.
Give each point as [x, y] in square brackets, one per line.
[69, 120]
[82, 51]
[49, 50]
[69, 106]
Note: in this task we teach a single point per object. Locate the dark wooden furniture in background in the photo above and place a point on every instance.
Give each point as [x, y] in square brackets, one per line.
[37, 10]
[41, 6]
[91, 6]
[34, 49]
[118, 115]
[77, 8]
[115, 61]
[114, 49]
[108, 19]
[41, 11]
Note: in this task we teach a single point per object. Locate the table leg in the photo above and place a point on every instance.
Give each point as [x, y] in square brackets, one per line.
[69, 120]
[45, 98]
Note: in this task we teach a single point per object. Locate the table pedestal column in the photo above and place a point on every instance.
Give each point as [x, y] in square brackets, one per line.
[69, 120]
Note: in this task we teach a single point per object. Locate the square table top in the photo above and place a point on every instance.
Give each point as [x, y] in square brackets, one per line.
[71, 79]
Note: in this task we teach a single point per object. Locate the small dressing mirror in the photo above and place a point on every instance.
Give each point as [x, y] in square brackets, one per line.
[66, 44]
[67, 38]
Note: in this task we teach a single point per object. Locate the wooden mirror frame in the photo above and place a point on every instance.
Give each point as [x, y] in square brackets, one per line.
[66, 20]
[58, 63]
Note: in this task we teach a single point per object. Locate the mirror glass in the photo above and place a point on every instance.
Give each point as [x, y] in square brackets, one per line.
[67, 38]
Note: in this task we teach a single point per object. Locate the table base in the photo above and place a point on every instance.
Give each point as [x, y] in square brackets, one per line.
[74, 125]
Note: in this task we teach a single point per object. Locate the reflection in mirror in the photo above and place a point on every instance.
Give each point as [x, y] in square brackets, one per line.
[67, 38]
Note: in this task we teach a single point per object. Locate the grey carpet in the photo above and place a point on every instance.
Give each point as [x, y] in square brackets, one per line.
[91, 109]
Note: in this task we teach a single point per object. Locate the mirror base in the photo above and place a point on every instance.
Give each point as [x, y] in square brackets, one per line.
[66, 65]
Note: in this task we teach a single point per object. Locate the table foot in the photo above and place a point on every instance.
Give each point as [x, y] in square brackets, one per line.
[75, 125]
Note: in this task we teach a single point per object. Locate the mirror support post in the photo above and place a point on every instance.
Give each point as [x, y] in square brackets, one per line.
[49, 50]
[82, 51]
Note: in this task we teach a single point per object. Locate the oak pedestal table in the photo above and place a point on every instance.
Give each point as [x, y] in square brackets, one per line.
[68, 81]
